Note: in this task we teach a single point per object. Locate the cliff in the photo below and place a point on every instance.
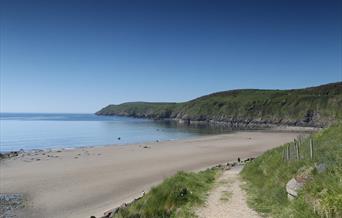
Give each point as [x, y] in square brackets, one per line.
[315, 106]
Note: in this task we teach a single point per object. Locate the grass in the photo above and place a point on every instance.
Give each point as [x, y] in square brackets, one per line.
[321, 196]
[317, 106]
[175, 197]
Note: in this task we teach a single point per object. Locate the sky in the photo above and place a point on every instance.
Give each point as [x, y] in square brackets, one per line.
[79, 56]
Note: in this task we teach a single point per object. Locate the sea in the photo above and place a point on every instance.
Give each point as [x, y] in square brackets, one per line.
[29, 131]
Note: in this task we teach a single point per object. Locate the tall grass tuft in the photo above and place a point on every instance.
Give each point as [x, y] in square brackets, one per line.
[175, 197]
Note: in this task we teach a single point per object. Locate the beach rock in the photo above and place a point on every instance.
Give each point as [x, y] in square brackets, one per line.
[10, 203]
[9, 154]
[293, 187]
[112, 212]
[248, 159]
[321, 168]
[296, 184]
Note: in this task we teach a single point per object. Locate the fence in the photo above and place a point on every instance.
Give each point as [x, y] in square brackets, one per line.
[301, 148]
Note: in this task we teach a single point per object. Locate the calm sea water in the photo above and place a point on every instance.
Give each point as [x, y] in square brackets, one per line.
[41, 131]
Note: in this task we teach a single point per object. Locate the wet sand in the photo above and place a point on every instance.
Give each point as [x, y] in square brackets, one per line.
[88, 181]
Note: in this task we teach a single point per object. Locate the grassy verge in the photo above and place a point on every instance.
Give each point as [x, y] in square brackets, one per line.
[175, 197]
[321, 196]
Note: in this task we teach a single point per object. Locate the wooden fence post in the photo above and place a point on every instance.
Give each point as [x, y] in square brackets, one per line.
[297, 150]
[311, 149]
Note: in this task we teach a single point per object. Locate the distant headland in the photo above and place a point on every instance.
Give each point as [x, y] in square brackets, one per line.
[310, 107]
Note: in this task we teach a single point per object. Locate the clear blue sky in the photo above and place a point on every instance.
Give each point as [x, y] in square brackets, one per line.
[78, 56]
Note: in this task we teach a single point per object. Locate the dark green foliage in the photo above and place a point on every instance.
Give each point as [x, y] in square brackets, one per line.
[267, 177]
[140, 109]
[174, 197]
[317, 106]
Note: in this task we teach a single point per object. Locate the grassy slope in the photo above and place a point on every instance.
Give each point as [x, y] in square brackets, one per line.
[140, 109]
[174, 197]
[317, 106]
[267, 176]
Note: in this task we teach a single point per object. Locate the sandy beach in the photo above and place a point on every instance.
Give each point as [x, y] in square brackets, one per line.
[88, 181]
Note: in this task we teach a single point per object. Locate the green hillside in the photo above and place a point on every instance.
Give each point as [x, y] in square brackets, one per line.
[321, 196]
[315, 106]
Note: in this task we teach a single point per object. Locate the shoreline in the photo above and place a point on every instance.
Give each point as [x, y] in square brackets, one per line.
[229, 123]
[88, 181]
[289, 129]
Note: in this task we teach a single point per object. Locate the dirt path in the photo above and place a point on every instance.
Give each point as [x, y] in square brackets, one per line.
[227, 199]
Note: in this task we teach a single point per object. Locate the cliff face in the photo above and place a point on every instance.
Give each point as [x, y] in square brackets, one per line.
[315, 106]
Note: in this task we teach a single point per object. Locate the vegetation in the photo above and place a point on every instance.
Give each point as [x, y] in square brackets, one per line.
[316, 106]
[321, 196]
[175, 197]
